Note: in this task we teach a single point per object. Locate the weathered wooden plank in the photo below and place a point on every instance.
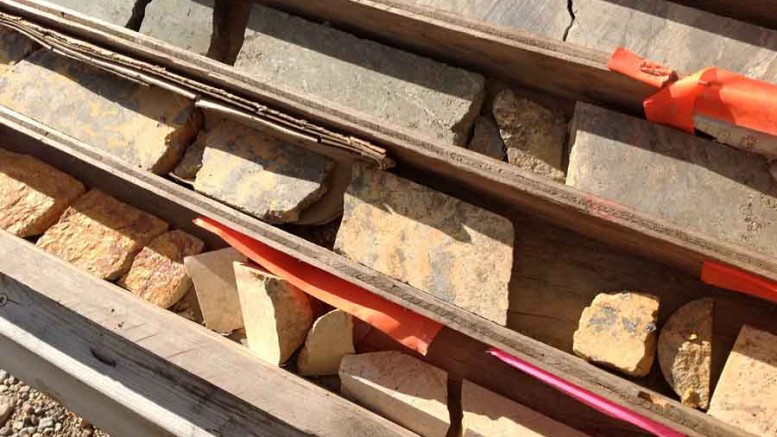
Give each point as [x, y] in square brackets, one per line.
[151, 361]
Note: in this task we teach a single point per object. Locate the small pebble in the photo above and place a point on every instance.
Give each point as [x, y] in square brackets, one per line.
[24, 389]
[57, 427]
[3, 375]
[5, 431]
[10, 380]
[46, 423]
[3, 388]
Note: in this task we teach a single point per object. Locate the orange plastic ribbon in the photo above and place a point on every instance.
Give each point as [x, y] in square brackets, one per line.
[732, 278]
[409, 328]
[712, 92]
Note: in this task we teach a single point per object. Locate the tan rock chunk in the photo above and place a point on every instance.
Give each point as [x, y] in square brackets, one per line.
[145, 126]
[213, 276]
[329, 340]
[277, 315]
[157, 273]
[486, 414]
[685, 352]
[32, 194]
[527, 161]
[268, 178]
[101, 234]
[531, 128]
[746, 394]
[619, 331]
[399, 387]
[439, 244]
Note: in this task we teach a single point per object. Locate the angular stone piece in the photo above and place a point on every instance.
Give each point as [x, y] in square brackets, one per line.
[101, 235]
[486, 414]
[191, 163]
[527, 161]
[142, 125]
[329, 340]
[213, 276]
[277, 315]
[157, 274]
[486, 139]
[545, 17]
[116, 12]
[686, 39]
[435, 100]
[685, 352]
[13, 48]
[187, 24]
[619, 331]
[32, 194]
[399, 387]
[451, 249]
[263, 176]
[531, 128]
[669, 174]
[746, 393]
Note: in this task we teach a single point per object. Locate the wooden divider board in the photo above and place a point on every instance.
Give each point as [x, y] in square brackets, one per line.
[136, 369]
[177, 204]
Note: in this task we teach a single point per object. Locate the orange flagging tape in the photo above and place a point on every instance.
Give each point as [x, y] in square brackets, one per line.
[409, 328]
[712, 92]
[732, 278]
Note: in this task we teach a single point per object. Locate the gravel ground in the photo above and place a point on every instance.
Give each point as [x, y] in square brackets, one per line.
[26, 412]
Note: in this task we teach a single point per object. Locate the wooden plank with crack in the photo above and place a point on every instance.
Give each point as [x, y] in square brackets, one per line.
[135, 369]
[178, 204]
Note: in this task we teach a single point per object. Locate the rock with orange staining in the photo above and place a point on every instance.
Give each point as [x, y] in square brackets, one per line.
[268, 178]
[619, 331]
[145, 126]
[158, 273]
[101, 234]
[439, 244]
[32, 194]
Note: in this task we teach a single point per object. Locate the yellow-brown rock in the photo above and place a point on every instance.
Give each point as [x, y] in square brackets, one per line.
[157, 274]
[746, 393]
[534, 135]
[13, 48]
[213, 276]
[449, 248]
[101, 234]
[619, 331]
[486, 414]
[143, 125]
[399, 387]
[33, 195]
[276, 315]
[329, 340]
[685, 352]
[263, 176]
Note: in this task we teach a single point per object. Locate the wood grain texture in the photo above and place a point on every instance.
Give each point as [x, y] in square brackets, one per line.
[177, 375]
[166, 196]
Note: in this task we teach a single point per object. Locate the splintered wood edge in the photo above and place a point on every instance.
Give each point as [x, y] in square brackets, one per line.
[175, 374]
[621, 391]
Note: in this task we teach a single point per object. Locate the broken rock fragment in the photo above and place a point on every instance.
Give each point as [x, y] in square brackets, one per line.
[191, 162]
[213, 276]
[486, 414]
[399, 387]
[145, 126]
[263, 176]
[486, 139]
[432, 99]
[685, 352]
[277, 315]
[157, 274]
[329, 340]
[451, 249]
[101, 235]
[534, 135]
[33, 195]
[619, 331]
[746, 393]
